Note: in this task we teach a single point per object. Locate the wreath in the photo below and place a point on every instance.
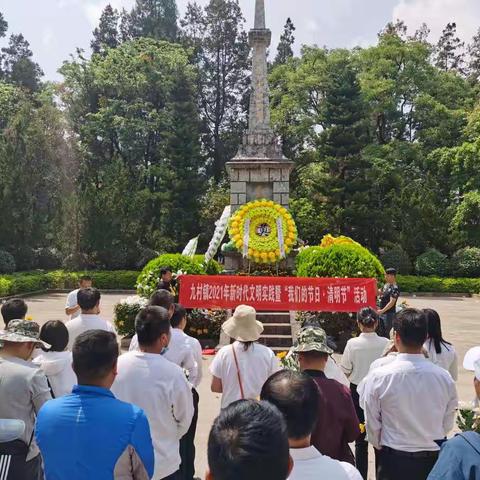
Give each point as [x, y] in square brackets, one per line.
[263, 231]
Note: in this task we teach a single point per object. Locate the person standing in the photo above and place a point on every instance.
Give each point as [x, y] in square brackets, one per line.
[440, 352]
[410, 404]
[296, 395]
[72, 308]
[167, 282]
[357, 358]
[89, 319]
[388, 302]
[56, 362]
[239, 370]
[14, 309]
[337, 423]
[89, 434]
[147, 379]
[23, 391]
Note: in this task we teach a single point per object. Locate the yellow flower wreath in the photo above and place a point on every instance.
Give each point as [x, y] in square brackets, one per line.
[263, 245]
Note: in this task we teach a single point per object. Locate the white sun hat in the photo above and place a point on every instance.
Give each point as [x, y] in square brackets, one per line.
[243, 326]
[472, 357]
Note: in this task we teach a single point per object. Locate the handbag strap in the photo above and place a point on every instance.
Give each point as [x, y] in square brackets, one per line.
[238, 372]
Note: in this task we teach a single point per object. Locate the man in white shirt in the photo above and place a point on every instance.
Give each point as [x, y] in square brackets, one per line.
[72, 308]
[410, 405]
[89, 319]
[147, 379]
[296, 395]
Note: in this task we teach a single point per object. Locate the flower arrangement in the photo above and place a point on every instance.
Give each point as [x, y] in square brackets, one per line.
[205, 324]
[261, 224]
[125, 313]
[329, 240]
[468, 418]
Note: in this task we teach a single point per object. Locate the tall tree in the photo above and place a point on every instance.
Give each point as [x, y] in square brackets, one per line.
[154, 19]
[474, 54]
[449, 54]
[287, 40]
[17, 64]
[221, 52]
[3, 26]
[106, 35]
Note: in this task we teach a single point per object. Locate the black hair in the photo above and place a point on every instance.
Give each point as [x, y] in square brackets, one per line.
[14, 309]
[88, 298]
[162, 298]
[315, 355]
[435, 329]
[95, 353]
[55, 333]
[177, 317]
[367, 317]
[151, 323]
[248, 440]
[296, 395]
[411, 325]
[391, 271]
[163, 286]
[165, 270]
[85, 278]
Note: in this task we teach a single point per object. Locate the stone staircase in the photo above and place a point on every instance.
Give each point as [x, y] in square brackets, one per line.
[278, 331]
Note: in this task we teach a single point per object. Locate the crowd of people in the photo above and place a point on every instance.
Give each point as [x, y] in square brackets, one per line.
[72, 407]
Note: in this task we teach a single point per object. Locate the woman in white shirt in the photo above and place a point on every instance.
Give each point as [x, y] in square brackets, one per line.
[56, 363]
[440, 352]
[239, 370]
[357, 358]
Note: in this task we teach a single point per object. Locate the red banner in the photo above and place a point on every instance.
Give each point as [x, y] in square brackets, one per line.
[278, 293]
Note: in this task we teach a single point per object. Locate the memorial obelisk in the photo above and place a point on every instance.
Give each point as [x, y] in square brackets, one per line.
[259, 170]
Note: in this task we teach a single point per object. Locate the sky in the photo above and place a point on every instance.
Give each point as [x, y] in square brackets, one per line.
[55, 28]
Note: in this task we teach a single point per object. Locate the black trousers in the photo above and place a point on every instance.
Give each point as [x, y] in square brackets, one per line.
[187, 444]
[361, 444]
[14, 454]
[173, 476]
[394, 465]
[386, 324]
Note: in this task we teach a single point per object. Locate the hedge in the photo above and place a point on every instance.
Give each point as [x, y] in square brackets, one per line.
[26, 282]
[412, 284]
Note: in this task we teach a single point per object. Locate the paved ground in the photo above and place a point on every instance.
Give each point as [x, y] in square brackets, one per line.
[460, 318]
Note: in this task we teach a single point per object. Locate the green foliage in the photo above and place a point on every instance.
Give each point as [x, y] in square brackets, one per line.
[125, 314]
[338, 261]
[149, 278]
[415, 284]
[7, 262]
[432, 263]
[285, 45]
[397, 258]
[203, 324]
[466, 222]
[47, 258]
[310, 218]
[466, 262]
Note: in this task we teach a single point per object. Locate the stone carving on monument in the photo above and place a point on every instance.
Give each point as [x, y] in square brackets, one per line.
[259, 170]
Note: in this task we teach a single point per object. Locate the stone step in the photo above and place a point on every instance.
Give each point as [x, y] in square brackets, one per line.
[284, 341]
[277, 329]
[273, 317]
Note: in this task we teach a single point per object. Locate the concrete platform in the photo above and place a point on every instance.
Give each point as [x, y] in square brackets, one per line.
[460, 319]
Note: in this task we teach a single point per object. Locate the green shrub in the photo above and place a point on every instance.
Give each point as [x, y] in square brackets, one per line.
[432, 263]
[341, 260]
[397, 258]
[148, 280]
[7, 262]
[24, 259]
[47, 258]
[466, 262]
[413, 284]
[125, 313]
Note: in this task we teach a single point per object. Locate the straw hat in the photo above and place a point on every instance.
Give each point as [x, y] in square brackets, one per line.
[22, 331]
[472, 361]
[243, 326]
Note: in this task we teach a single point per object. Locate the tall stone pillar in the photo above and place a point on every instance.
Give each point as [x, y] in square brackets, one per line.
[259, 170]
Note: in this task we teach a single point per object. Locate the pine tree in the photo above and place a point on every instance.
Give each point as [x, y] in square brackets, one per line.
[397, 28]
[474, 54]
[17, 64]
[287, 40]
[155, 19]
[449, 50]
[3, 26]
[106, 35]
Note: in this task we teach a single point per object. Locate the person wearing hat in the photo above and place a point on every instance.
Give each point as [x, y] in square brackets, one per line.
[24, 390]
[471, 362]
[337, 424]
[239, 370]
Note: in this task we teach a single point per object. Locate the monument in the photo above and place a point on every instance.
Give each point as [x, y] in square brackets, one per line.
[259, 170]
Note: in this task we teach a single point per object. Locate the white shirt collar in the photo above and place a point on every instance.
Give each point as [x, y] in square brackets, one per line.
[368, 334]
[309, 453]
[412, 357]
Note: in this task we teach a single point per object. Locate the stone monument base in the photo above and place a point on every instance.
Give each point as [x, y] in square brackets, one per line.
[234, 262]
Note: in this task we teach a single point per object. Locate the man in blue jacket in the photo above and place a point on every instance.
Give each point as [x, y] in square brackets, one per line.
[89, 434]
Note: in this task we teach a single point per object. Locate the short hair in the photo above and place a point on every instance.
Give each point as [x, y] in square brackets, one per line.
[179, 314]
[88, 298]
[248, 440]
[314, 355]
[14, 309]
[391, 271]
[367, 316]
[296, 395]
[95, 353]
[162, 298]
[151, 323]
[55, 333]
[165, 270]
[85, 278]
[411, 325]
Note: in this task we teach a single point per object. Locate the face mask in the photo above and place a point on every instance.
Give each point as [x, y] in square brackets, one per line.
[164, 351]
